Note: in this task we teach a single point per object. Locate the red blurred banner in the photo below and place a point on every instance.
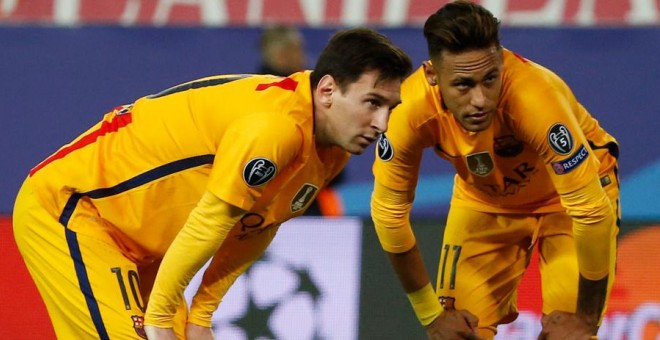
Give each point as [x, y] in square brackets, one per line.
[23, 313]
[318, 13]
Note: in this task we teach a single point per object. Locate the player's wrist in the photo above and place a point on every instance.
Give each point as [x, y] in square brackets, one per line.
[425, 304]
[590, 320]
[159, 320]
[200, 319]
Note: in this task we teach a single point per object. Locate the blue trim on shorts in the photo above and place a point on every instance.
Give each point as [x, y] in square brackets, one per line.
[85, 286]
[72, 238]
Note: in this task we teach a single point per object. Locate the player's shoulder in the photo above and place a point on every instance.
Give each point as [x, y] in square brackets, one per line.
[252, 82]
[522, 72]
[419, 100]
[272, 122]
[279, 132]
[414, 86]
[524, 81]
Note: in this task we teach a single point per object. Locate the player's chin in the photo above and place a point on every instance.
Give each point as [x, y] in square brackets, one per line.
[357, 149]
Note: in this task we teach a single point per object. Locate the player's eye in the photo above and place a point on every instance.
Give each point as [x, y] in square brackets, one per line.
[463, 84]
[374, 103]
[491, 78]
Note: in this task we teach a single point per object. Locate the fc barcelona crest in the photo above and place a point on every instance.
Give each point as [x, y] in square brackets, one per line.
[138, 324]
[480, 164]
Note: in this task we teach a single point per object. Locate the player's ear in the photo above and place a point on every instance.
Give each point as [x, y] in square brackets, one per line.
[325, 89]
[429, 73]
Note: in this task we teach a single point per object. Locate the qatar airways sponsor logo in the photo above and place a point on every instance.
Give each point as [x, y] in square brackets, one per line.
[567, 165]
[636, 324]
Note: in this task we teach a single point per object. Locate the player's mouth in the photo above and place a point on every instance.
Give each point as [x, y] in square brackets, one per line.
[370, 139]
[477, 118]
[364, 141]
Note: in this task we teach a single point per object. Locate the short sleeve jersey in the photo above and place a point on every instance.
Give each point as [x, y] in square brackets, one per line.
[541, 143]
[248, 139]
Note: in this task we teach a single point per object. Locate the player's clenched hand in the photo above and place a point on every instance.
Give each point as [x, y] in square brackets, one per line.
[197, 332]
[453, 325]
[566, 326]
[157, 333]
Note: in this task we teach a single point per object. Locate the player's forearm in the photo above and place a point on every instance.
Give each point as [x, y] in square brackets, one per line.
[390, 210]
[207, 298]
[206, 228]
[221, 274]
[183, 259]
[594, 222]
[414, 278]
[409, 268]
[217, 279]
[591, 299]
[592, 251]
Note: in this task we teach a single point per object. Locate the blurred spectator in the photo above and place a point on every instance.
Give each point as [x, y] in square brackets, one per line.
[282, 50]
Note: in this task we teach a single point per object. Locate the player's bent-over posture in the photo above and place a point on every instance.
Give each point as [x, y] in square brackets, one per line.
[533, 169]
[114, 225]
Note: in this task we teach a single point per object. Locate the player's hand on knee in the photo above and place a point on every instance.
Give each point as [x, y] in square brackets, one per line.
[157, 333]
[560, 325]
[453, 325]
[197, 332]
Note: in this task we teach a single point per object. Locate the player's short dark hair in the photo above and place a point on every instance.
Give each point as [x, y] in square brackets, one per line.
[461, 26]
[352, 52]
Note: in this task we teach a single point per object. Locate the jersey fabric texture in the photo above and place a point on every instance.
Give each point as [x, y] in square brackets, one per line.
[246, 139]
[542, 155]
[509, 166]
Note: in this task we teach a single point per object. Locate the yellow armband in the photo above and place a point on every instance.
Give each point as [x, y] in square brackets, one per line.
[426, 304]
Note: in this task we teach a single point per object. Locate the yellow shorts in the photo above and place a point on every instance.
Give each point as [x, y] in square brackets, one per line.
[484, 256]
[91, 290]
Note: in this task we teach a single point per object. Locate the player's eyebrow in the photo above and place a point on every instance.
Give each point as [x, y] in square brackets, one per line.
[383, 99]
[459, 78]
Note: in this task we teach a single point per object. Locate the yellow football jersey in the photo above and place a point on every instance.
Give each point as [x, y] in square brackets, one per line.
[541, 142]
[248, 139]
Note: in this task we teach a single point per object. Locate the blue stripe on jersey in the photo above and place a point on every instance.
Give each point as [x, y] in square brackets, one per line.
[85, 286]
[72, 239]
[197, 85]
[144, 178]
